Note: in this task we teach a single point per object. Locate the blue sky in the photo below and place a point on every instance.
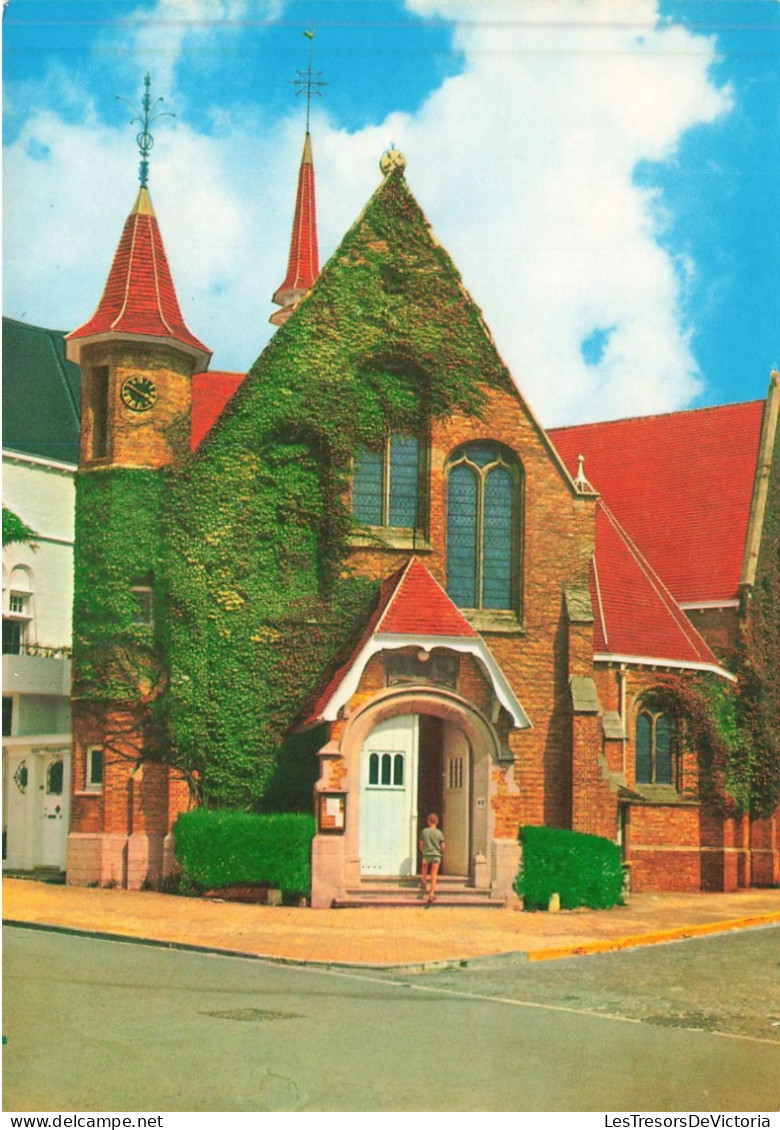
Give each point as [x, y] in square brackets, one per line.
[600, 171]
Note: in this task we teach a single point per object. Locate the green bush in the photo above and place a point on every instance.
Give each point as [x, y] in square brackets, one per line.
[584, 870]
[217, 848]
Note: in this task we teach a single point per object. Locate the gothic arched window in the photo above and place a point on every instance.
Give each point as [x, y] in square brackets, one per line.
[655, 759]
[386, 484]
[483, 527]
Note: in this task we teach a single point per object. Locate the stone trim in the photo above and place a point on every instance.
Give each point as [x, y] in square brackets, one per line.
[761, 483]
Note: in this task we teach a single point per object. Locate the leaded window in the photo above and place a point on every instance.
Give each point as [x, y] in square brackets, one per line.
[655, 762]
[483, 527]
[386, 487]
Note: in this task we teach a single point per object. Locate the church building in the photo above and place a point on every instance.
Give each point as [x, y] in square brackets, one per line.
[363, 580]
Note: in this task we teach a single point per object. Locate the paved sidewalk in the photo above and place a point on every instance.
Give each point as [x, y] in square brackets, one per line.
[382, 937]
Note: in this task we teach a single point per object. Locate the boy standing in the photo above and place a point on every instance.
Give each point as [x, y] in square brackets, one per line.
[431, 846]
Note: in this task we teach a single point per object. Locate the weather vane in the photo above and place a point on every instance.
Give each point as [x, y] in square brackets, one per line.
[308, 80]
[144, 139]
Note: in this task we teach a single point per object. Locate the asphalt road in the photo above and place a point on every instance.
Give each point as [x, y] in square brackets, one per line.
[108, 1026]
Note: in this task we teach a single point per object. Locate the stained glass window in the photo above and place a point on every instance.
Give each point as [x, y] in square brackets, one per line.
[483, 506]
[654, 749]
[663, 751]
[386, 484]
[644, 745]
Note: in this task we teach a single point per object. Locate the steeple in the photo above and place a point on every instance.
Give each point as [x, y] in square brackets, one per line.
[139, 299]
[136, 353]
[303, 264]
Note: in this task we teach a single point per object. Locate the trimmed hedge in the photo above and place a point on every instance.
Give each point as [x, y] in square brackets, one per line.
[584, 870]
[218, 848]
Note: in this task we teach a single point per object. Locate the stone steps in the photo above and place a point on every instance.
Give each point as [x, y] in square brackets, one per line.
[451, 890]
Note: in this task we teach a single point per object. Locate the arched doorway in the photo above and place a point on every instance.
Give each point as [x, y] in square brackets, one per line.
[412, 764]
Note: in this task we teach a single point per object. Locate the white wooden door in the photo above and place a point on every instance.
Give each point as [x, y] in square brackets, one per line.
[456, 792]
[54, 791]
[388, 798]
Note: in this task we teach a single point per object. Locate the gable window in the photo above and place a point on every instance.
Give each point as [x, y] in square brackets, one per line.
[386, 484]
[655, 760]
[483, 527]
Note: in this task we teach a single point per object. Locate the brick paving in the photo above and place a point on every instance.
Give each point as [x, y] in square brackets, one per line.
[382, 936]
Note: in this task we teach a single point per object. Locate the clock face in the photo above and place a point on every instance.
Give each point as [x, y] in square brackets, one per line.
[138, 393]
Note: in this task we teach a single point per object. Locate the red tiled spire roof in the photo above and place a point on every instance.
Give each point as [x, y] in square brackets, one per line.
[636, 617]
[681, 485]
[303, 265]
[139, 298]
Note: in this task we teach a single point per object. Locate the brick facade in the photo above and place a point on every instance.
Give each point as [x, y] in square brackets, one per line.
[539, 729]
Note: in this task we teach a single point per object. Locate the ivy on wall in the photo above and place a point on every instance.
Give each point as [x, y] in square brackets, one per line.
[247, 540]
[759, 663]
[15, 530]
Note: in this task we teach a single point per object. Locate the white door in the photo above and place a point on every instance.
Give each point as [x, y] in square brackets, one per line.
[455, 815]
[19, 801]
[54, 791]
[388, 798]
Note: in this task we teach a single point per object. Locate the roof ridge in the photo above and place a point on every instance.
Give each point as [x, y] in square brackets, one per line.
[602, 617]
[656, 415]
[693, 637]
[134, 218]
[61, 361]
[158, 296]
[394, 592]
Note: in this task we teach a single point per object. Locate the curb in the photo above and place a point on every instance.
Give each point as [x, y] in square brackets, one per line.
[656, 937]
[434, 965]
[553, 953]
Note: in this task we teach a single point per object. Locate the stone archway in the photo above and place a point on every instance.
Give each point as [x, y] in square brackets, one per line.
[454, 781]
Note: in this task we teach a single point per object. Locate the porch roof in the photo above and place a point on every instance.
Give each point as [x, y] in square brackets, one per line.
[413, 610]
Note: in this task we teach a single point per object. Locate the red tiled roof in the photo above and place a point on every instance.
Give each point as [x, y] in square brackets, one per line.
[139, 296]
[635, 614]
[419, 606]
[210, 393]
[410, 603]
[303, 265]
[681, 485]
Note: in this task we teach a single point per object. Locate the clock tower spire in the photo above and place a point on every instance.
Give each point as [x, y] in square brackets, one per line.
[136, 353]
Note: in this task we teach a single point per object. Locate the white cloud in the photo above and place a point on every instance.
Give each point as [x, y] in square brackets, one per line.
[524, 163]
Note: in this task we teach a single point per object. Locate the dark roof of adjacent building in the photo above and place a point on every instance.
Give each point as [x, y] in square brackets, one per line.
[41, 394]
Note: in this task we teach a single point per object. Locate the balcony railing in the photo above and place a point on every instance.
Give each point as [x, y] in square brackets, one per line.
[13, 647]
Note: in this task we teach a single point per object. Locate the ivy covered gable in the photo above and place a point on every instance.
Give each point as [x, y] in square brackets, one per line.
[260, 595]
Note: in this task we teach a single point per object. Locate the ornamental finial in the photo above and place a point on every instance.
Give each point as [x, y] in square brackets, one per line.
[581, 480]
[308, 81]
[145, 117]
[392, 158]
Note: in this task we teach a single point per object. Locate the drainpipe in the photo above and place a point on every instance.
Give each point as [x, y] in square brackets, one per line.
[622, 679]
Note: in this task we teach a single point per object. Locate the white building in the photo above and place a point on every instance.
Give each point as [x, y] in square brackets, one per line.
[40, 449]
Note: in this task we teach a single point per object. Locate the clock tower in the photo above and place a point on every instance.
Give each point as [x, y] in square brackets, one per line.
[137, 357]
